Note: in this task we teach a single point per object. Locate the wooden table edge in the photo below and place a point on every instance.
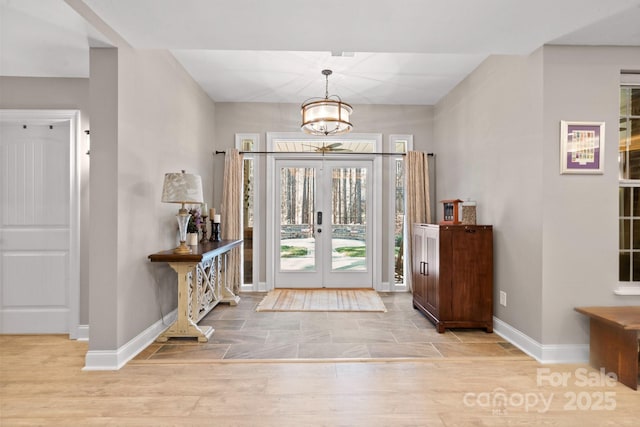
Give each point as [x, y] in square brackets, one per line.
[634, 326]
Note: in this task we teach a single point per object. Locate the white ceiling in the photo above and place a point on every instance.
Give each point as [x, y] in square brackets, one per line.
[381, 51]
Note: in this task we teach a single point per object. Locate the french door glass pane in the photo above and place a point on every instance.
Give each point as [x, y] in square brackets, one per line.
[348, 219]
[297, 204]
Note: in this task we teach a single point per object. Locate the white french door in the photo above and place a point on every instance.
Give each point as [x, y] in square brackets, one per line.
[323, 224]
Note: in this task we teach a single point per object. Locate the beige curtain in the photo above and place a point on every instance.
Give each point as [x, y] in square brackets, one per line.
[418, 203]
[231, 225]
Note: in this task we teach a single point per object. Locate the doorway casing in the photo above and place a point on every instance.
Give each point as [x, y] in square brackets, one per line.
[73, 116]
[376, 185]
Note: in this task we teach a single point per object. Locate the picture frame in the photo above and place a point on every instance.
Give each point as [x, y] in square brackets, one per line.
[581, 147]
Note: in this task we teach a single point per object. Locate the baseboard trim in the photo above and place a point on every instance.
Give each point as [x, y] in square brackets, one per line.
[82, 333]
[112, 360]
[247, 287]
[543, 353]
[565, 353]
[383, 287]
[250, 287]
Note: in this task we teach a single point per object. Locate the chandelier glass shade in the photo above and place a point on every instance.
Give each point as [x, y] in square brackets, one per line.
[326, 116]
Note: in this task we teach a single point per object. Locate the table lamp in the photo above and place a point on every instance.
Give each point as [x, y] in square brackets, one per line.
[182, 188]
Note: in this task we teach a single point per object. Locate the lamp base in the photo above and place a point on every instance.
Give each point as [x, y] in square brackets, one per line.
[182, 249]
[183, 219]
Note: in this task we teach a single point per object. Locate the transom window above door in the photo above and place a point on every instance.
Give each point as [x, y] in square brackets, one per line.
[324, 146]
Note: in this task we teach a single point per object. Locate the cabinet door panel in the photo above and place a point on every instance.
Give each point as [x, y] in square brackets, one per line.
[417, 256]
[472, 277]
[432, 269]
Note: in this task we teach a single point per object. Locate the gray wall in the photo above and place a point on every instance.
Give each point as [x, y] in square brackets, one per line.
[488, 142]
[556, 236]
[496, 140]
[150, 118]
[37, 93]
[232, 118]
[580, 237]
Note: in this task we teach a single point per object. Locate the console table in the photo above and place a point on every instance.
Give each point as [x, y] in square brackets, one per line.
[613, 342]
[202, 284]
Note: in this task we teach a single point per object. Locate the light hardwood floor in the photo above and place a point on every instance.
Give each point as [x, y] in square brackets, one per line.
[41, 383]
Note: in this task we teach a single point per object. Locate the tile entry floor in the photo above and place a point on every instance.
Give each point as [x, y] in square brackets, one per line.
[241, 333]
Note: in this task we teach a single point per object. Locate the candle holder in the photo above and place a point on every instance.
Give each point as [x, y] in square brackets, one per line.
[204, 229]
[215, 232]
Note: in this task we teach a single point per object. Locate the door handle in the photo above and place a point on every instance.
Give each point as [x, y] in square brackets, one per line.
[424, 268]
[319, 218]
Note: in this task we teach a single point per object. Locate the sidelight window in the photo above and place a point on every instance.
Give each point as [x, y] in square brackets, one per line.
[629, 188]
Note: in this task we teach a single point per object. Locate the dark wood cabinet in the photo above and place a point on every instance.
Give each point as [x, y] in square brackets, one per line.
[452, 275]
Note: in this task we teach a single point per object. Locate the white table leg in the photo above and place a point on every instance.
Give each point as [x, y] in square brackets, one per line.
[227, 294]
[184, 326]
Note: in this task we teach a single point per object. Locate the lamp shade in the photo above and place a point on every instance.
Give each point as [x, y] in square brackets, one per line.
[182, 188]
[326, 117]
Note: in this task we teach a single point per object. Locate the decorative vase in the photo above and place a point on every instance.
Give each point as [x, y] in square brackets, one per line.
[192, 239]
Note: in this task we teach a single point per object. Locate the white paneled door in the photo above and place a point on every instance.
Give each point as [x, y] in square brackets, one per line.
[34, 227]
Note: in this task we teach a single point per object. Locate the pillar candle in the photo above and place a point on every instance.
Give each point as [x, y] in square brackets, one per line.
[216, 218]
[204, 208]
[212, 213]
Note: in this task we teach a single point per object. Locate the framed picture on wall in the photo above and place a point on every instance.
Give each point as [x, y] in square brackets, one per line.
[581, 147]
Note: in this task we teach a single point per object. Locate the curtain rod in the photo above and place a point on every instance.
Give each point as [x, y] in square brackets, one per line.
[316, 152]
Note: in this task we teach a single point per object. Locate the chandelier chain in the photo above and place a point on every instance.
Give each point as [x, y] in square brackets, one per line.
[326, 88]
[326, 73]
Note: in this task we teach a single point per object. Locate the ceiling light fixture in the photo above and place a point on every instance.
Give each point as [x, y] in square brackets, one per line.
[326, 116]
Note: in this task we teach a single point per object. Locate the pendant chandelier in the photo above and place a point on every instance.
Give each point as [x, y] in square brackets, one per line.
[326, 116]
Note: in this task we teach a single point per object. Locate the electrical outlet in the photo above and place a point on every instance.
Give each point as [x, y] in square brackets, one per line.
[503, 298]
